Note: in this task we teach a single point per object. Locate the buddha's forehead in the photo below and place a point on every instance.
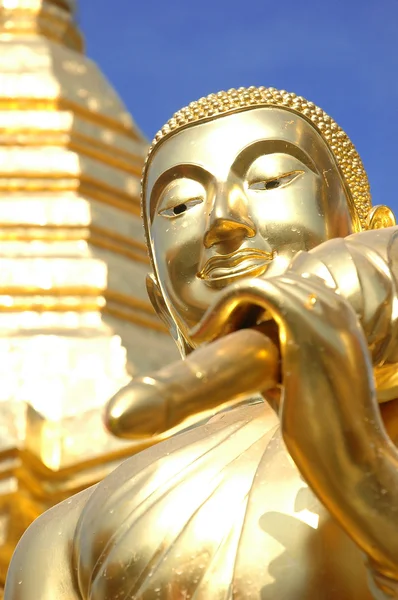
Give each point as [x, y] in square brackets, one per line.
[215, 144]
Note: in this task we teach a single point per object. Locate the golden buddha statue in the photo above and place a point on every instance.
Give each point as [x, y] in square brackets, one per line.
[263, 245]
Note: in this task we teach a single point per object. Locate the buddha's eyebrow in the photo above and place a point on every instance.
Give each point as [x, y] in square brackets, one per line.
[264, 147]
[180, 171]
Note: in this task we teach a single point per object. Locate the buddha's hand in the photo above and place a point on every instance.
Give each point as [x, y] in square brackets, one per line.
[330, 418]
[329, 413]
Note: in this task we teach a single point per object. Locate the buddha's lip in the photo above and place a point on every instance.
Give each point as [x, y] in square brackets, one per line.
[241, 262]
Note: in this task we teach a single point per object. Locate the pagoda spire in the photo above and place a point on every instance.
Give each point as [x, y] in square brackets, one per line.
[53, 19]
[75, 321]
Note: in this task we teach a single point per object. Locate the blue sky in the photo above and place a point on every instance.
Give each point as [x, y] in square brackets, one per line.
[342, 55]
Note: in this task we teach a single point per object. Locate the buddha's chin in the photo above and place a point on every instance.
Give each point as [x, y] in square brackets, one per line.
[278, 266]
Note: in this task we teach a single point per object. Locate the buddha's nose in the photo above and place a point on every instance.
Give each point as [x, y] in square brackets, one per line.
[229, 222]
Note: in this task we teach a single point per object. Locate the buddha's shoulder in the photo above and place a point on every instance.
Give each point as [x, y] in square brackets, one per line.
[41, 565]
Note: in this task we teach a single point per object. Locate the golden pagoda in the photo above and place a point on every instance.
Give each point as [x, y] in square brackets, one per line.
[75, 322]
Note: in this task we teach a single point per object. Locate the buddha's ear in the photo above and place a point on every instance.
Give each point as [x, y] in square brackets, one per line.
[157, 301]
[161, 309]
[380, 217]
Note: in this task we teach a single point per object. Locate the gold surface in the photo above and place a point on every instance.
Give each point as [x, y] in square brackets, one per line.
[275, 275]
[59, 104]
[162, 401]
[242, 99]
[51, 18]
[75, 141]
[97, 236]
[232, 228]
[132, 317]
[75, 323]
[64, 182]
[37, 487]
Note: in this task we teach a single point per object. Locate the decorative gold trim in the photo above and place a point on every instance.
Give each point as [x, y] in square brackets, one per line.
[45, 24]
[118, 237]
[110, 189]
[62, 4]
[23, 232]
[51, 305]
[115, 304]
[129, 302]
[78, 291]
[58, 306]
[110, 155]
[33, 464]
[8, 454]
[54, 291]
[131, 205]
[65, 182]
[59, 104]
[76, 142]
[98, 118]
[71, 39]
[130, 317]
[117, 249]
[8, 461]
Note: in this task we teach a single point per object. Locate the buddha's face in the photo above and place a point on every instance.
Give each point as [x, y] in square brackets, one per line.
[238, 197]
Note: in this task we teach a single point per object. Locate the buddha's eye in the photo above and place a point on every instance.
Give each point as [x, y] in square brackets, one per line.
[179, 209]
[276, 182]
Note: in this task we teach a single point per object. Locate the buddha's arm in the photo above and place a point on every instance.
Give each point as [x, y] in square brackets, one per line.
[331, 421]
[330, 417]
[364, 270]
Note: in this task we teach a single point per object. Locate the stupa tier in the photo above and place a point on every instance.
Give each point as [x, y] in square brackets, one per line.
[75, 321]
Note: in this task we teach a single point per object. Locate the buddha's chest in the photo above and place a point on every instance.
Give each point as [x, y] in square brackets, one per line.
[219, 513]
[290, 548]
